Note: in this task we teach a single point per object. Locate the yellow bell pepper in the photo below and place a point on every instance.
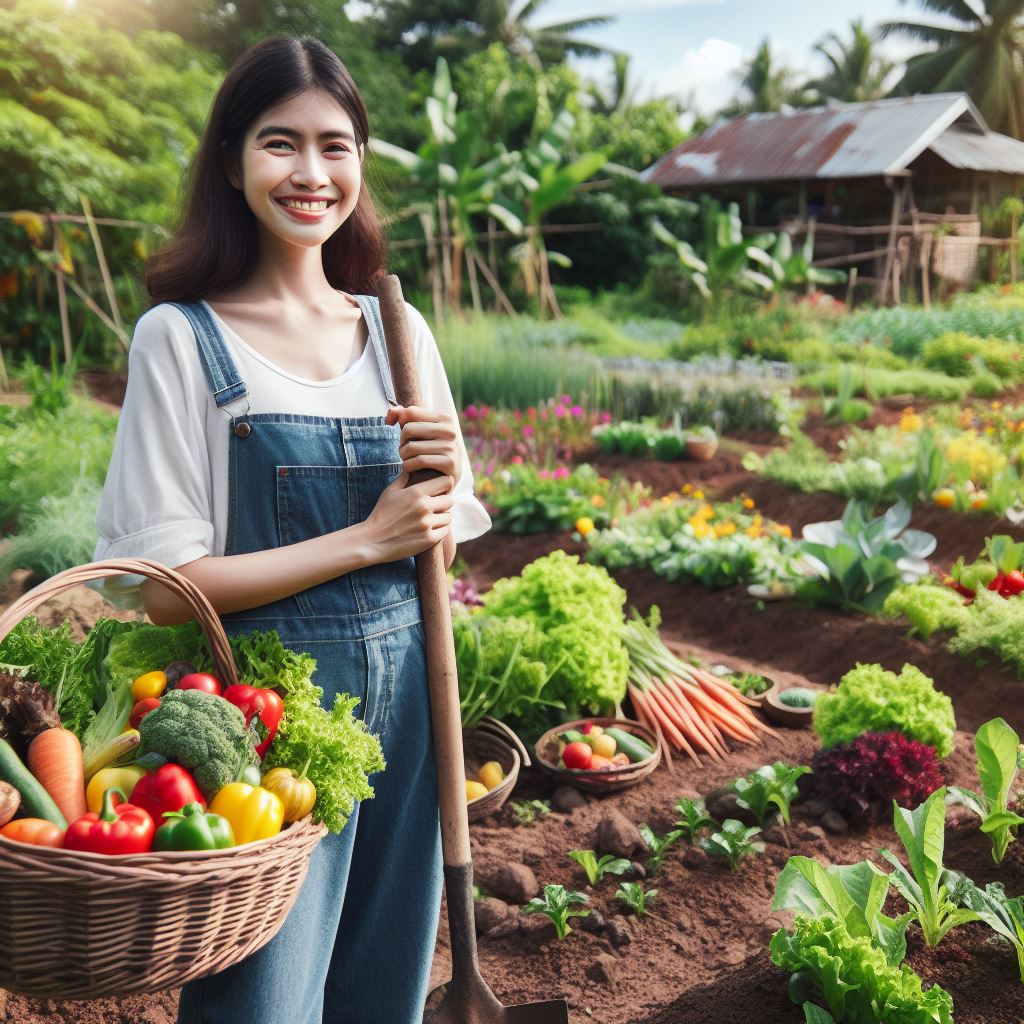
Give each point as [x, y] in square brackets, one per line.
[152, 684]
[297, 793]
[254, 812]
[107, 778]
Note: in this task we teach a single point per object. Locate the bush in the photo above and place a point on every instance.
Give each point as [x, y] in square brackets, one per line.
[878, 382]
[958, 355]
[871, 699]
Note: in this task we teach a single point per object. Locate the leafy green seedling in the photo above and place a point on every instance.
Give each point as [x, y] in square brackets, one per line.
[693, 818]
[633, 895]
[1004, 916]
[933, 891]
[557, 903]
[997, 746]
[769, 790]
[597, 869]
[658, 845]
[734, 842]
[528, 811]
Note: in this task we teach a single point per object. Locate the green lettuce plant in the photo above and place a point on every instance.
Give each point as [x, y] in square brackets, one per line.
[658, 845]
[633, 895]
[998, 749]
[693, 818]
[558, 904]
[1003, 915]
[733, 841]
[933, 892]
[769, 790]
[596, 868]
[852, 893]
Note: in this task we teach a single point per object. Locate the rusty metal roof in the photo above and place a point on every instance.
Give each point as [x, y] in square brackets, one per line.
[841, 140]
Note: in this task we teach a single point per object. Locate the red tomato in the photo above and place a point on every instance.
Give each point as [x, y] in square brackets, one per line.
[199, 681]
[577, 756]
[141, 709]
[601, 764]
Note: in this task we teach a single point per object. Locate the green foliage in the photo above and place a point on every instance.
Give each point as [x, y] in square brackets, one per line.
[879, 382]
[846, 408]
[993, 624]
[596, 868]
[1003, 915]
[733, 841]
[928, 606]
[657, 845]
[934, 893]
[633, 895]
[860, 560]
[853, 977]
[526, 812]
[852, 893]
[693, 818]
[997, 746]
[558, 904]
[871, 699]
[961, 355]
[769, 790]
[579, 609]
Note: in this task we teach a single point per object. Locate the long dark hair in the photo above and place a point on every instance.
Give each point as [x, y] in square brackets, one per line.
[215, 248]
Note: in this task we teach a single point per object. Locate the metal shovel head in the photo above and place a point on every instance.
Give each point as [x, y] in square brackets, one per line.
[474, 1003]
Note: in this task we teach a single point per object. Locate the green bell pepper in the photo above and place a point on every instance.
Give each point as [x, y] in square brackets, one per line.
[193, 829]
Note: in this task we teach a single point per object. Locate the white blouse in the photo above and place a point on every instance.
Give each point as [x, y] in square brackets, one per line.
[166, 491]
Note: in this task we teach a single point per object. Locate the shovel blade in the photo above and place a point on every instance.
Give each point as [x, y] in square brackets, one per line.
[472, 1002]
[551, 1011]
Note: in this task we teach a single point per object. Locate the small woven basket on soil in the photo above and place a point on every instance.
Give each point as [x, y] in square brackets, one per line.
[493, 740]
[546, 751]
[87, 926]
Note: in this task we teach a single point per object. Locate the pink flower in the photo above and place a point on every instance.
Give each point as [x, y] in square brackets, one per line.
[560, 411]
[517, 460]
[606, 417]
[532, 412]
[471, 412]
[566, 399]
[576, 410]
[561, 473]
[485, 410]
[527, 431]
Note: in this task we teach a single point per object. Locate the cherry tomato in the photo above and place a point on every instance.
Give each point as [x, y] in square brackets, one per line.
[577, 756]
[141, 709]
[35, 831]
[199, 681]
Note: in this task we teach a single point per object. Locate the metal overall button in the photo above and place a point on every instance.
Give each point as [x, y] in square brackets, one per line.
[243, 429]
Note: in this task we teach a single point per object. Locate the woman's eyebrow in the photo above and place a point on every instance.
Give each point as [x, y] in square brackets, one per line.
[291, 133]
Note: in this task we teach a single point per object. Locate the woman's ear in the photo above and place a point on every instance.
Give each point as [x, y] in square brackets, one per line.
[231, 172]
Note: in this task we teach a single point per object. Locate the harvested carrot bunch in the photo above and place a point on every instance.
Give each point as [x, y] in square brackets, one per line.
[692, 711]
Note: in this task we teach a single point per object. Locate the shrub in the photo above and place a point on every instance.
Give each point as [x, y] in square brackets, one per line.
[862, 778]
[958, 355]
[871, 699]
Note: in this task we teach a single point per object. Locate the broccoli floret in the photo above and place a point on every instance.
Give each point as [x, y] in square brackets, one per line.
[201, 732]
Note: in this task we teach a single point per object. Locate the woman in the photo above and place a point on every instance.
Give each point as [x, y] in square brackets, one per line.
[260, 452]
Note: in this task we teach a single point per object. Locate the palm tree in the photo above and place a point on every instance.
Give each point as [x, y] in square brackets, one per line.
[979, 50]
[857, 72]
[765, 86]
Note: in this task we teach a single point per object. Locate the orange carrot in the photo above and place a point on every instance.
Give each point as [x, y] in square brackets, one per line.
[666, 732]
[743, 712]
[645, 715]
[729, 723]
[667, 719]
[55, 759]
[708, 681]
[706, 730]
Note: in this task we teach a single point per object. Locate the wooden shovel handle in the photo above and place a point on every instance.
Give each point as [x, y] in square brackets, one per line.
[445, 710]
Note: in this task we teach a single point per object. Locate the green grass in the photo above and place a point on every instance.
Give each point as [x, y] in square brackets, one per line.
[878, 382]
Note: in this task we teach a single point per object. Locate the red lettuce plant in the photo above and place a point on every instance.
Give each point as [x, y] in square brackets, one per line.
[860, 779]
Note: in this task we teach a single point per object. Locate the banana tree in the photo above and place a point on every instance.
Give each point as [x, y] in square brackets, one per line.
[546, 180]
[727, 261]
[467, 177]
[791, 268]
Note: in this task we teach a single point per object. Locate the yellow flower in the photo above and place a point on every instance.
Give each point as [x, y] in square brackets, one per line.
[597, 500]
[996, 406]
[910, 422]
[584, 525]
[945, 497]
[785, 530]
[748, 503]
[757, 520]
[753, 531]
[699, 495]
[699, 527]
[725, 529]
[687, 488]
[31, 223]
[484, 486]
[706, 512]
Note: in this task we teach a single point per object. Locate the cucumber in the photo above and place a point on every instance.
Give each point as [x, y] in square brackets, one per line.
[632, 746]
[35, 801]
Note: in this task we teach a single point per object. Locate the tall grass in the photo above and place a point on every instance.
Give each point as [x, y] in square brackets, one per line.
[517, 362]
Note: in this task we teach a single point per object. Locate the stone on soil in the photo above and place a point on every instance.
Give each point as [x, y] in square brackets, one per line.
[835, 823]
[617, 835]
[566, 799]
[513, 883]
[490, 913]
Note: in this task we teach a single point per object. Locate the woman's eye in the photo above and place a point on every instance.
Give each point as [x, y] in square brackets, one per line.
[337, 146]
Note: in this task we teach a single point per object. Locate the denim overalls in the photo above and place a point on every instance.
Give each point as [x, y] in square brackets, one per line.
[357, 946]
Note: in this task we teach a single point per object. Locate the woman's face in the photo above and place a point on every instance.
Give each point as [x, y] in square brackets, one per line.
[301, 169]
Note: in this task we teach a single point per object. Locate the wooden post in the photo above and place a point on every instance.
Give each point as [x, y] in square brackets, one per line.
[890, 252]
[62, 295]
[446, 254]
[926, 270]
[474, 286]
[491, 278]
[1014, 228]
[492, 250]
[851, 283]
[101, 259]
[436, 286]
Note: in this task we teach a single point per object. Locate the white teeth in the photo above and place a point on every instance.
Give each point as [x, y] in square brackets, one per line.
[295, 204]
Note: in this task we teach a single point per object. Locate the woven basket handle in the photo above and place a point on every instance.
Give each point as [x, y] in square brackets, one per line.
[182, 588]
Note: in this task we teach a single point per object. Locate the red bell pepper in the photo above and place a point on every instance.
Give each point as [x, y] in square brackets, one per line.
[169, 788]
[200, 681]
[267, 705]
[115, 830]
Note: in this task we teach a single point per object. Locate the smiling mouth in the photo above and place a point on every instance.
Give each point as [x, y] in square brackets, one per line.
[311, 206]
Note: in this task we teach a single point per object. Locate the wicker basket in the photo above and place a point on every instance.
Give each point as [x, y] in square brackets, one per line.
[87, 926]
[492, 740]
[546, 750]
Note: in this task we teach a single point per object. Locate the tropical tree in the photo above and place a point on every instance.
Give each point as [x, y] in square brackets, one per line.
[856, 70]
[978, 48]
[766, 85]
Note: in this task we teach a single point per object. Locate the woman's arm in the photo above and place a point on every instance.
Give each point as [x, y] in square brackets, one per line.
[405, 521]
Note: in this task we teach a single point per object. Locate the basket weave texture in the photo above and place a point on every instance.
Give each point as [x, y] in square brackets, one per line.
[87, 926]
[493, 741]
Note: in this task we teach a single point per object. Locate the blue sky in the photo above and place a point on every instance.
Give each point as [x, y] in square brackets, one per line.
[690, 48]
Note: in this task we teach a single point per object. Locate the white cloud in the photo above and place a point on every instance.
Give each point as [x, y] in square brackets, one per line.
[703, 77]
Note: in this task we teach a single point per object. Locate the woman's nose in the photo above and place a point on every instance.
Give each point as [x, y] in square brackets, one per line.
[310, 172]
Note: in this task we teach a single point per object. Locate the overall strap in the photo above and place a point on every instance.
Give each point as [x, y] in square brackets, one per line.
[370, 305]
[222, 377]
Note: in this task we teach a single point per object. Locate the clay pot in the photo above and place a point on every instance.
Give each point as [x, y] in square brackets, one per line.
[701, 448]
[782, 714]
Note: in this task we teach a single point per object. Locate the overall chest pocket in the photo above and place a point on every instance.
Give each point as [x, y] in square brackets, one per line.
[316, 500]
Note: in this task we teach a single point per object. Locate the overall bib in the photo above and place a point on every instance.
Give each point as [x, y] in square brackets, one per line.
[357, 946]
